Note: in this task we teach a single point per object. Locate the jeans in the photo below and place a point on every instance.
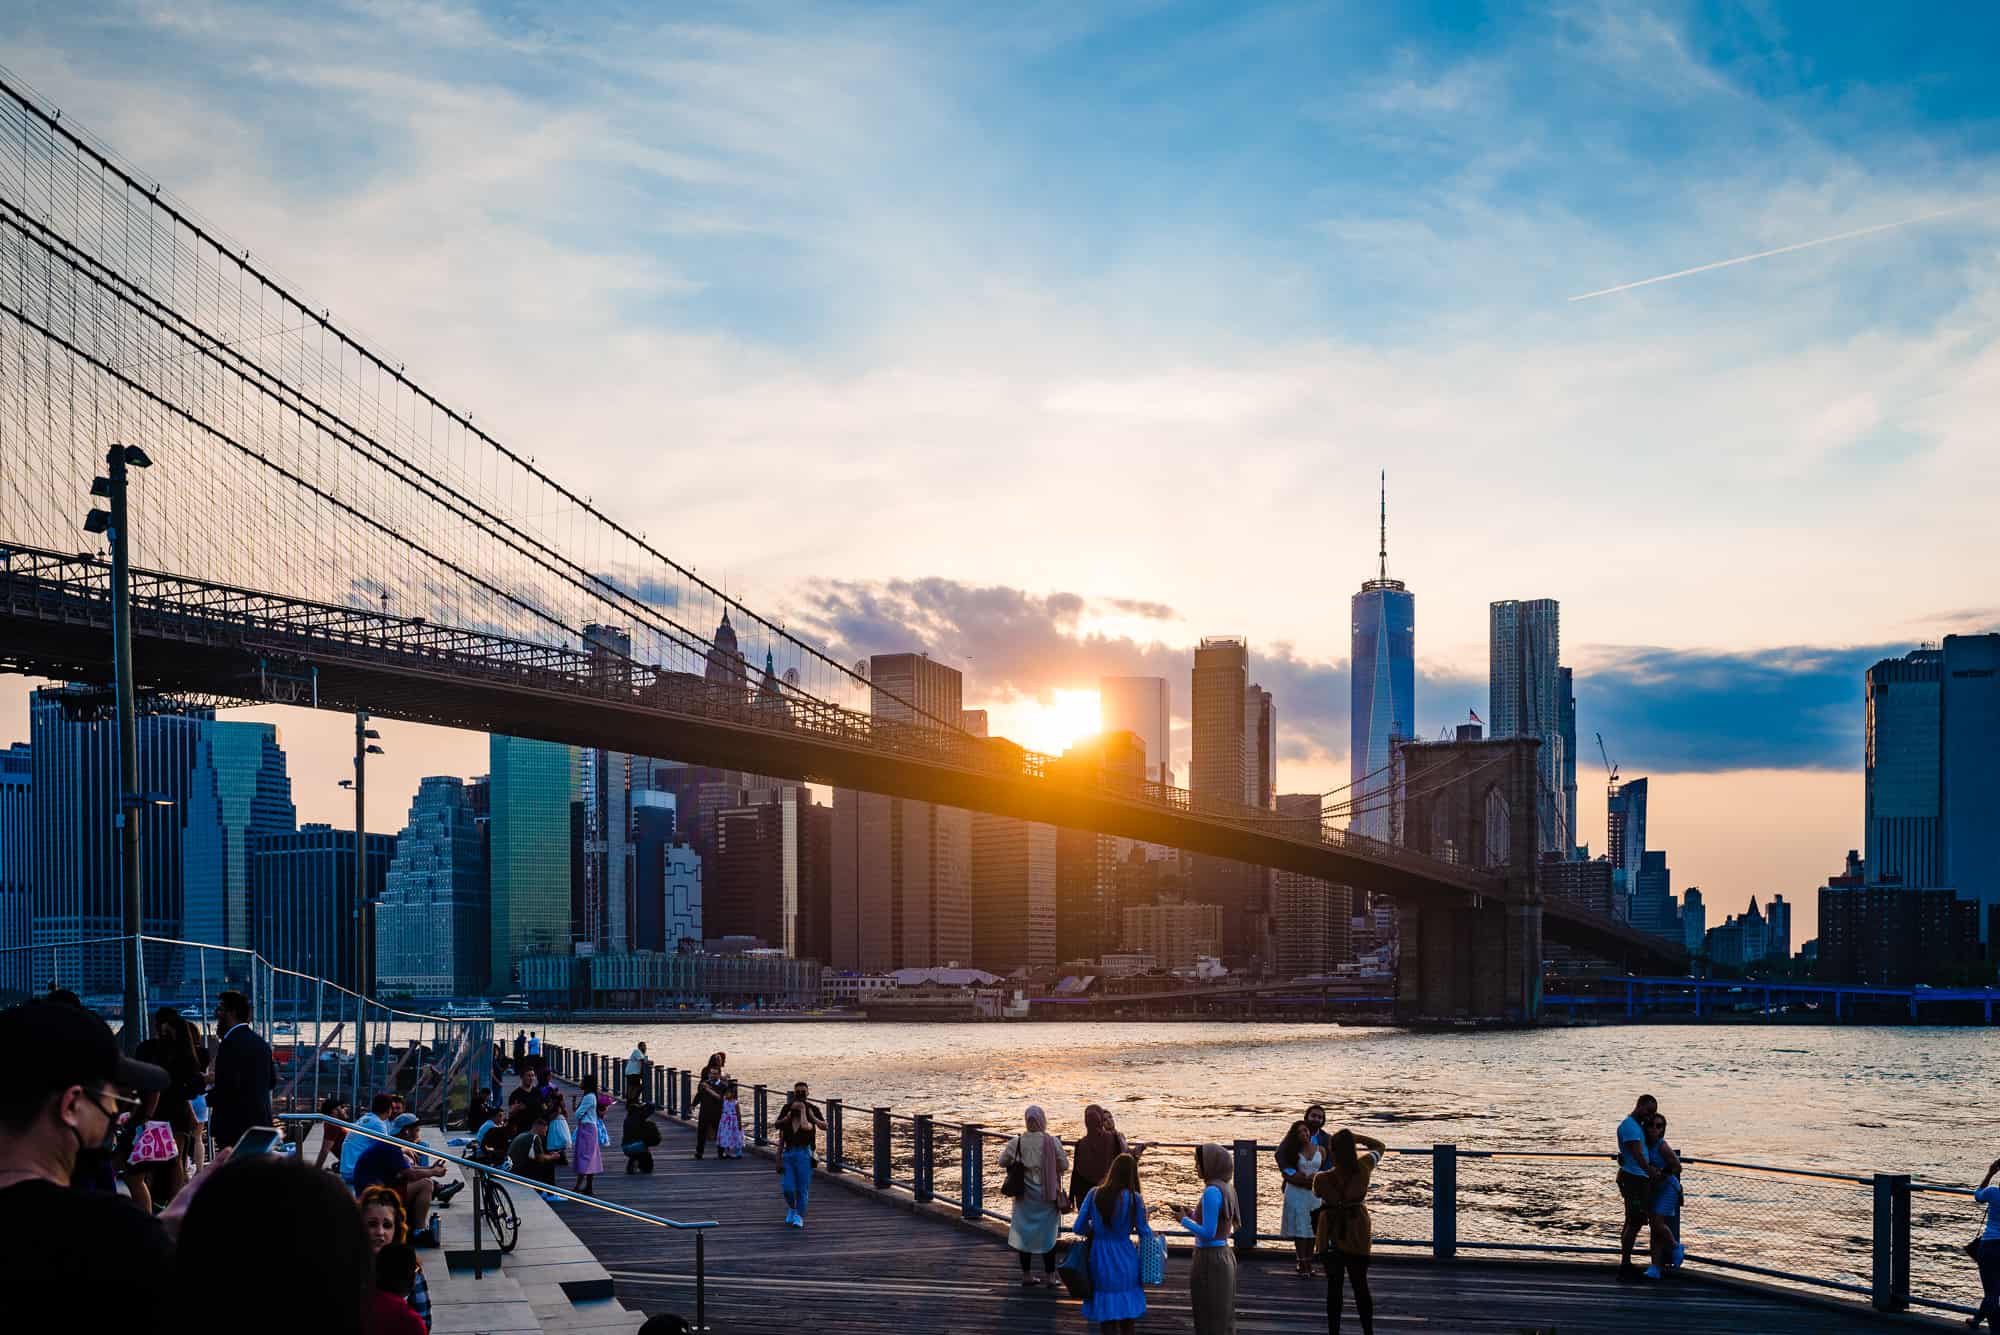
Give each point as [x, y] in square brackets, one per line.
[1989, 1280]
[798, 1176]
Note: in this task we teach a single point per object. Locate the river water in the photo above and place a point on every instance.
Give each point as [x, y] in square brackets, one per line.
[1849, 1100]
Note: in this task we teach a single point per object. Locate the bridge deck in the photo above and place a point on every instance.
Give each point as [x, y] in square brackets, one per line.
[866, 1266]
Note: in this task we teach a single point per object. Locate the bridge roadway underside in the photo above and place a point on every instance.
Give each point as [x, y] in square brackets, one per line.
[878, 1264]
[66, 636]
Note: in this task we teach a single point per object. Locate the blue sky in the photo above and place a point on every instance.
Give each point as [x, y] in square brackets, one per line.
[1131, 301]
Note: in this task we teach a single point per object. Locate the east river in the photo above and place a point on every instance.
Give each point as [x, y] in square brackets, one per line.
[1849, 1100]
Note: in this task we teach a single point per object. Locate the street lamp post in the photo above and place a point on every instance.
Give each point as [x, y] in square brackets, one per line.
[364, 737]
[117, 526]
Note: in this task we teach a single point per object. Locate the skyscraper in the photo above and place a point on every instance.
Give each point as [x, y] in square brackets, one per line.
[16, 785]
[1694, 920]
[533, 785]
[1260, 748]
[1653, 906]
[901, 889]
[239, 791]
[1566, 703]
[1524, 649]
[1221, 757]
[1778, 928]
[431, 926]
[302, 898]
[76, 872]
[1933, 769]
[1142, 706]
[1383, 697]
[1312, 919]
[1625, 833]
[1013, 893]
[605, 778]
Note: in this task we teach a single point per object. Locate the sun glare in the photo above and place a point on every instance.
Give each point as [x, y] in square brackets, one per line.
[1052, 726]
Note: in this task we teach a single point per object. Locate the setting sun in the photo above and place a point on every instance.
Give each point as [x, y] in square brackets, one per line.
[1048, 726]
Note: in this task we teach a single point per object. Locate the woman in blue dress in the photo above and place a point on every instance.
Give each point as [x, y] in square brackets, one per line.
[1108, 1216]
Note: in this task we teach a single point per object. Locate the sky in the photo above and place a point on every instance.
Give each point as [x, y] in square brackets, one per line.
[1049, 338]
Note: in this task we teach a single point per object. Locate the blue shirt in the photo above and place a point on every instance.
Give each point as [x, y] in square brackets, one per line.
[354, 1146]
[1629, 1130]
[379, 1164]
[1205, 1233]
[1990, 1198]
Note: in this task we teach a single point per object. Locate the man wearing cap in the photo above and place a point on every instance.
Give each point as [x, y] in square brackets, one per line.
[388, 1164]
[67, 1089]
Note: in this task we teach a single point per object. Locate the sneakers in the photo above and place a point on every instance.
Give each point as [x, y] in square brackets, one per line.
[1680, 1255]
[444, 1193]
[1652, 1272]
[792, 1219]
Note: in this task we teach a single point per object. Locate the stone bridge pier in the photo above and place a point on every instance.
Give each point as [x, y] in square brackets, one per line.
[1472, 803]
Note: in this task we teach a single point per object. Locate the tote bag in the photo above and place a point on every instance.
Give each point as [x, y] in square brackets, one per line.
[1153, 1259]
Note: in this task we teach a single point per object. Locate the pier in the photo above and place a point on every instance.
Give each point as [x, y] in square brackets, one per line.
[906, 1248]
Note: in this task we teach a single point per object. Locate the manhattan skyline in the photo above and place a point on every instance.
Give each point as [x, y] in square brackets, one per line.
[1682, 467]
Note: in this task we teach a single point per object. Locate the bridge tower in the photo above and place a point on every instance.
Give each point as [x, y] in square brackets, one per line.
[1472, 802]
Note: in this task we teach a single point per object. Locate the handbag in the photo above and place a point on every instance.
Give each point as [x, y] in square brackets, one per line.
[1153, 1259]
[1016, 1183]
[154, 1144]
[1075, 1270]
[603, 1136]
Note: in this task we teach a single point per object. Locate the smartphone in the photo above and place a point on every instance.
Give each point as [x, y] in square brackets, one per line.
[257, 1140]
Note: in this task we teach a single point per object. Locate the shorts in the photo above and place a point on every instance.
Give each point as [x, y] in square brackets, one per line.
[1637, 1192]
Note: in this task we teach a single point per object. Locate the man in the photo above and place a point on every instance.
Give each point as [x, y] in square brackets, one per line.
[244, 1074]
[520, 1048]
[535, 1048]
[527, 1091]
[530, 1155]
[106, 1260]
[798, 1129]
[376, 1119]
[635, 1070]
[1635, 1179]
[387, 1164]
[1288, 1159]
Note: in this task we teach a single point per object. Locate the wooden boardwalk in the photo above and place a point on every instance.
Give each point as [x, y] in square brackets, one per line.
[869, 1266]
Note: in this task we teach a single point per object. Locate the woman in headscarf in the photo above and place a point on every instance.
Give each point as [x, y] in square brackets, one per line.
[1101, 1144]
[1212, 1281]
[1038, 1210]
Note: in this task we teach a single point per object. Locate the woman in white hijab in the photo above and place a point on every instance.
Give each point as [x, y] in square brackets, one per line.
[1038, 1209]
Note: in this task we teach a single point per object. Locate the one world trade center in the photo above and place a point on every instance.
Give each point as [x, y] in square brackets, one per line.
[1384, 666]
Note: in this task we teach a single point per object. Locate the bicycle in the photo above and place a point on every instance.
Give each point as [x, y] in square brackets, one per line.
[496, 1207]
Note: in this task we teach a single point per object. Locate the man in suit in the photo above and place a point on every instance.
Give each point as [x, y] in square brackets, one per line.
[244, 1076]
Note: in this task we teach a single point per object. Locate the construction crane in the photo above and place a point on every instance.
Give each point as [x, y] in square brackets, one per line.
[1610, 767]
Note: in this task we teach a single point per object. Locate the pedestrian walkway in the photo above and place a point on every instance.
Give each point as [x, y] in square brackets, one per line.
[869, 1264]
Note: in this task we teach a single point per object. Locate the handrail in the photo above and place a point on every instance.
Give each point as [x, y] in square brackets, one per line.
[595, 1202]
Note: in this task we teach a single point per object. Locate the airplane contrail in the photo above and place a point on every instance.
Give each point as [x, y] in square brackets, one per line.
[1782, 250]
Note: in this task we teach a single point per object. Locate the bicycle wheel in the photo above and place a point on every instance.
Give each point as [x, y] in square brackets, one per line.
[500, 1217]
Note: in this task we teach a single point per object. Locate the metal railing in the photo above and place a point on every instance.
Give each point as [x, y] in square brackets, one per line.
[435, 1061]
[1877, 1236]
[478, 1174]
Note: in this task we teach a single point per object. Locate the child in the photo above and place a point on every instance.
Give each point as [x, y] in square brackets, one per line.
[389, 1313]
[729, 1131]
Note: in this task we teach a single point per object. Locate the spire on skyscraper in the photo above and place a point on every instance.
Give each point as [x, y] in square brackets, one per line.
[1383, 553]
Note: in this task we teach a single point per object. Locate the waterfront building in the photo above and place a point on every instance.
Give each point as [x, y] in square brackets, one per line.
[1524, 650]
[238, 792]
[534, 784]
[1175, 935]
[17, 775]
[1694, 920]
[649, 980]
[1724, 944]
[851, 989]
[1382, 665]
[901, 871]
[1142, 706]
[1013, 893]
[767, 869]
[1260, 748]
[76, 868]
[1566, 710]
[1892, 934]
[1226, 769]
[431, 925]
[302, 911]
[1933, 768]
[1311, 918]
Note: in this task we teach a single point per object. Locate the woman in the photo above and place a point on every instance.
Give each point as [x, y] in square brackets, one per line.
[1302, 1153]
[1988, 1254]
[157, 1170]
[386, 1224]
[1666, 1204]
[1108, 1215]
[589, 1152]
[1346, 1234]
[332, 1138]
[1101, 1144]
[1213, 1221]
[1038, 1210]
[708, 1104]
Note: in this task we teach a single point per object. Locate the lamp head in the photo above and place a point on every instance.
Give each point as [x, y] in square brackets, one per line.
[97, 521]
